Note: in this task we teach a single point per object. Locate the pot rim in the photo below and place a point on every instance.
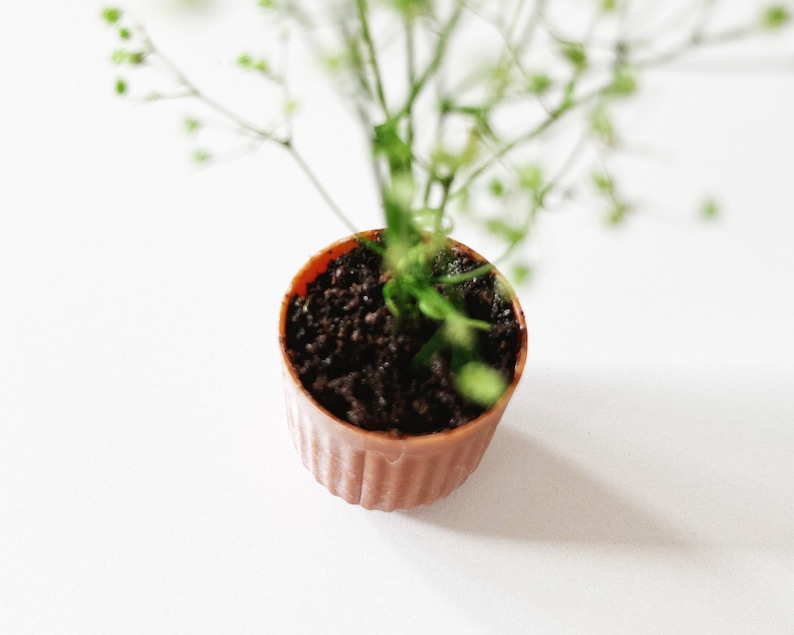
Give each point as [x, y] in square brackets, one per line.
[345, 244]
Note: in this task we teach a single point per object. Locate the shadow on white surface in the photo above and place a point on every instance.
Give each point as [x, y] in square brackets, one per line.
[525, 491]
[636, 459]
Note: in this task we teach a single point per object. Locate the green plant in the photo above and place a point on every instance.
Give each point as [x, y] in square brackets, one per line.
[451, 136]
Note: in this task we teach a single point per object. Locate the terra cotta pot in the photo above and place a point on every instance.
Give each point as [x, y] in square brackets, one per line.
[375, 469]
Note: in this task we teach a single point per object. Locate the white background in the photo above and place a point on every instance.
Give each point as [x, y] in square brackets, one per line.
[641, 482]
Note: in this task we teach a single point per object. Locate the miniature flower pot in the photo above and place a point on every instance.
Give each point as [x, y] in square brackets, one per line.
[375, 469]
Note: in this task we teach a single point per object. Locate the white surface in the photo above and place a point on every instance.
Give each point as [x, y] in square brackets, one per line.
[642, 480]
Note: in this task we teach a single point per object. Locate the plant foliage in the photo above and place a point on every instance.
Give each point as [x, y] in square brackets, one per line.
[454, 96]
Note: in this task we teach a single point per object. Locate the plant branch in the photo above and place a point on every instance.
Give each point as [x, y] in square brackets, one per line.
[410, 49]
[361, 6]
[693, 42]
[320, 188]
[194, 92]
[534, 133]
[359, 71]
[435, 63]
[567, 164]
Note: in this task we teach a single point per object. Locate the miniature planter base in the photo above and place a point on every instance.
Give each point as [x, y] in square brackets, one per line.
[376, 469]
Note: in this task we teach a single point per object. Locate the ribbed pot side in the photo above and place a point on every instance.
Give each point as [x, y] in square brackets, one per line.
[374, 469]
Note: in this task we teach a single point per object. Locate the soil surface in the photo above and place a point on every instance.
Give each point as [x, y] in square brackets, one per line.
[348, 354]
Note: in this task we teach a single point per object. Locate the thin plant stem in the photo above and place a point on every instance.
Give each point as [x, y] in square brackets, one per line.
[435, 63]
[528, 136]
[410, 51]
[361, 6]
[320, 188]
[691, 43]
[195, 92]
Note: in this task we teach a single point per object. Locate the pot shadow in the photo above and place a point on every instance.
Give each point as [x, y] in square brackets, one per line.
[524, 491]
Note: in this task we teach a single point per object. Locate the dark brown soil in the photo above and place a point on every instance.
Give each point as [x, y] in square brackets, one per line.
[343, 344]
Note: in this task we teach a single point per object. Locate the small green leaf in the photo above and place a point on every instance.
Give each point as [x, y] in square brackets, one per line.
[121, 86]
[539, 83]
[505, 230]
[709, 209]
[496, 187]
[411, 9]
[201, 157]
[389, 297]
[480, 383]
[191, 125]
[617, 214]
[122, 56]
[267, 5]
[446, 105]
[520, 273]
[111, 15]
[530, 177]
[775, 16]
[125, 34]
[501, 75]
[249, 63]
[333, 62]
[444, 161]
[601, 125]
[576, 54]
[434, 305]
[603, 183]
[458, 332]
[609, 6]
[623, 84]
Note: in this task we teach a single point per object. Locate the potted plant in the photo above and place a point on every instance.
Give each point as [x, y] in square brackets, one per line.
[402, 347]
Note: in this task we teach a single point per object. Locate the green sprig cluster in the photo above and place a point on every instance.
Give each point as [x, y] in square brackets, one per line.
[455, 136]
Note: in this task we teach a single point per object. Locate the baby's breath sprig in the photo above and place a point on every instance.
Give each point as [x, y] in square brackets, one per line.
[461, 101]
